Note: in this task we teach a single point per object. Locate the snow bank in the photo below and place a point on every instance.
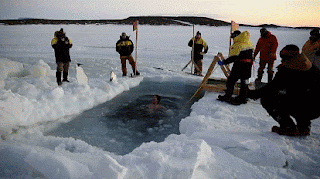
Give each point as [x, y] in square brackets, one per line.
[9, 68]
[51, 157]
[178, 157]
[35, 97]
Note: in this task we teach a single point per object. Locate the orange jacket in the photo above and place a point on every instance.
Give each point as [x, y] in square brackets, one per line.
[267, 46]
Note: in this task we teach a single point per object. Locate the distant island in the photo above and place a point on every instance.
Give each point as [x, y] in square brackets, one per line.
[144, 20]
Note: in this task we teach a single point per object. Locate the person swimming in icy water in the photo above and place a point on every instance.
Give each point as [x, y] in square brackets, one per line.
[155, 106]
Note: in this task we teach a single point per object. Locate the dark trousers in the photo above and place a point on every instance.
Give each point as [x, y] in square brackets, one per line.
[198, 62]
[124, 66]
[232, 79]
[262, 66]
[281, 109]
[63, 67]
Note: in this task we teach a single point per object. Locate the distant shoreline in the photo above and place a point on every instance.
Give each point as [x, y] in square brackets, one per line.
[144, 20]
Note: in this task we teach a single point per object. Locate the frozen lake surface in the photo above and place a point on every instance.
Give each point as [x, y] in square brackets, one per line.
[90, 131]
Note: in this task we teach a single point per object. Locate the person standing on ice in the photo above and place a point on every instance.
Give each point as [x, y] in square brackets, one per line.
[124, 47]
[312, 47]
[294, 92]
[241, 54]
[61, 45]
[267, 46]
[198, 45]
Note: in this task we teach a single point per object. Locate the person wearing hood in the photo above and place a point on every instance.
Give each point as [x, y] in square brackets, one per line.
[124, 47]
[198, 45]
[312, 47]
[61, 45]
[241, 55]
[267, 46]
[293, 93]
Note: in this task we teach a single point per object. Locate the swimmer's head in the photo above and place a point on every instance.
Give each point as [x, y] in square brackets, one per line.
[156, 99]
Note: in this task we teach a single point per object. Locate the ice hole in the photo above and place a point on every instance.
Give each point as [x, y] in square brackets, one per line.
[123, 124]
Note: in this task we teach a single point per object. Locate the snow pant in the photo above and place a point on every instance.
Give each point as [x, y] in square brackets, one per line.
[232, 79]
[262, 66]
[124, 66]
[282, 108]
[62, 67]
[198, 62]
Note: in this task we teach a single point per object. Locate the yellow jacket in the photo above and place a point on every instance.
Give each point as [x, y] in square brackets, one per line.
[240, 43]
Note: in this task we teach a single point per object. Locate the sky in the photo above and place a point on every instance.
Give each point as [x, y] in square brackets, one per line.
[280, 12]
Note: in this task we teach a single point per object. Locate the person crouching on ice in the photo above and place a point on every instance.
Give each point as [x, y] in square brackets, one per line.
[124, 47]
[241, 54]
[294, 92]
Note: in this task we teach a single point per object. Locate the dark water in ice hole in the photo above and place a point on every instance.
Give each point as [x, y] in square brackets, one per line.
[122, 124]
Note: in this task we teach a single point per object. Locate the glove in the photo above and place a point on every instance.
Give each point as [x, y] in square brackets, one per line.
[220, 63]
[202, 53]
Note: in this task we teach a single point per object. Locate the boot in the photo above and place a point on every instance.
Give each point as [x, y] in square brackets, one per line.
[65, 77]
[242, 97]
[238, 100]
[58, 76]
[137, 73]
[258, 80]
[270, 77]
[226, 98]
[288, 131]
[304, 130]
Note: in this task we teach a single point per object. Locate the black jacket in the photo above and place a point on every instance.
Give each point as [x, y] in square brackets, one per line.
[61, 49]
[242, 63]
[124, 46]
[199, 45]
[299, 90]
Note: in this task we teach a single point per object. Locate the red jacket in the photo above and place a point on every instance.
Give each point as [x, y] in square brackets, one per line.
[267, 46]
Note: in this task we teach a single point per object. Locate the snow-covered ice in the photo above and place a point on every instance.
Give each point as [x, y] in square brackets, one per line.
[216, 140]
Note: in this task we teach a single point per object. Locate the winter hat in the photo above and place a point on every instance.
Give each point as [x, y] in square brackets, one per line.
[198, 33]
[293, 60]
[315, 32]
[56, 33]
[314, 35]
[263, 29]
[289, 51]
[235, 33]
[264, 32]
[123, 34]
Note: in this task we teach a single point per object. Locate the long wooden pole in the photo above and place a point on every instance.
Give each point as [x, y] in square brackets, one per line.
[192, 55]
[136, 52]
[230, 37]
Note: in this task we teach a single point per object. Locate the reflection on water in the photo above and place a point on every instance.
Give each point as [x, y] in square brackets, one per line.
[124, 123]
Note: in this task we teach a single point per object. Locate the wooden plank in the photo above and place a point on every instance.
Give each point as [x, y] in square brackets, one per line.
[219, 88]
[210, 69]
[191, 61]
[225, 68]
[206, 77]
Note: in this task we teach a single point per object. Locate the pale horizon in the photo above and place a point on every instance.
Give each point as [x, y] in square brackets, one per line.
[294, 13]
